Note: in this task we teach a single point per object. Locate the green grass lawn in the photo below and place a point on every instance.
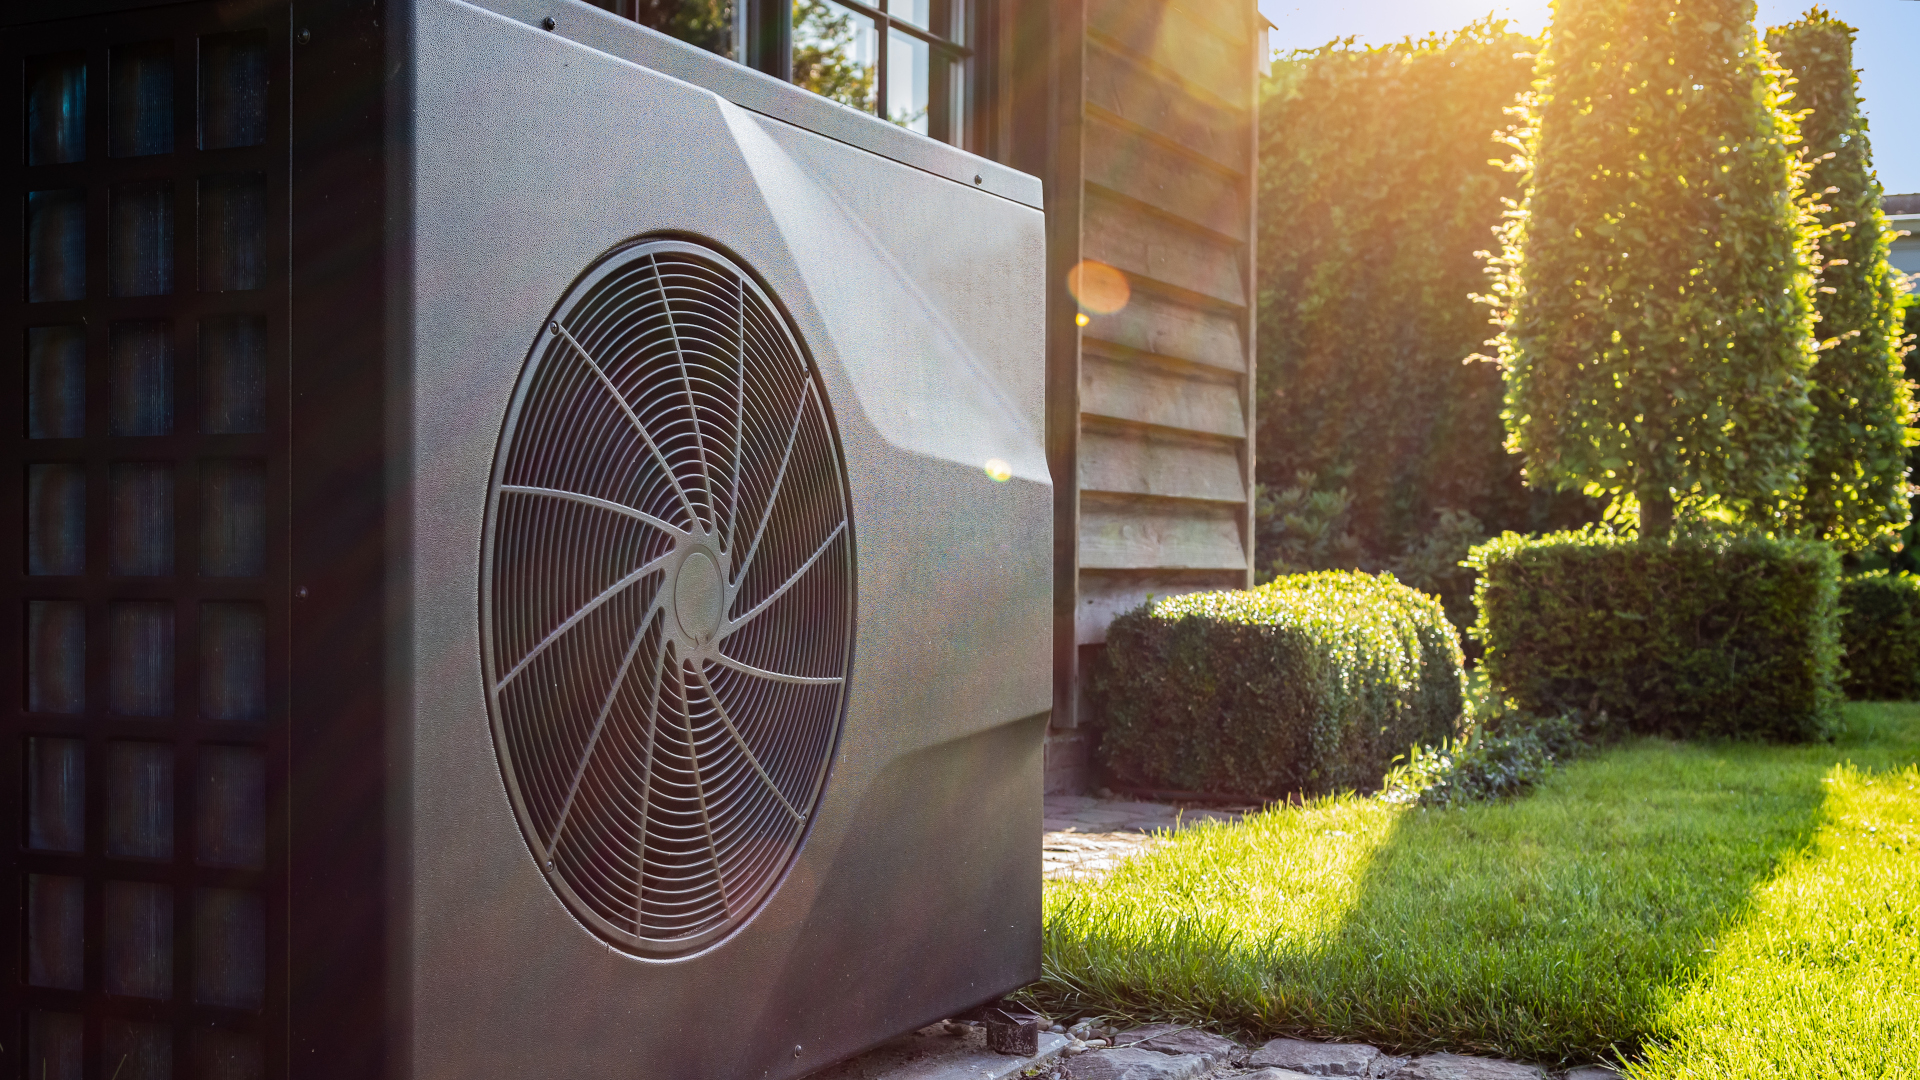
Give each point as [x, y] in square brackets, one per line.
[1698, 910]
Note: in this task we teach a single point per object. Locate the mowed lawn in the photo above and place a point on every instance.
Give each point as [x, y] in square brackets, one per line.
[1721, 910]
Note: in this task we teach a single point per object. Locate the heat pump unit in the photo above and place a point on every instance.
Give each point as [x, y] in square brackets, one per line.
[533, 554]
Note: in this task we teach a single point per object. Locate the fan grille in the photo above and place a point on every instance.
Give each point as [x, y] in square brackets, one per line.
[667, 597]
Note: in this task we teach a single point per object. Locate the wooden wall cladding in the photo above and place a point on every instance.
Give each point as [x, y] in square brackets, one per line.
[1139, 116]
[1165, 185]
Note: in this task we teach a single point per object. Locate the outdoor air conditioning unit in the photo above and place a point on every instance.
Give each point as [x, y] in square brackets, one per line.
[533, 559]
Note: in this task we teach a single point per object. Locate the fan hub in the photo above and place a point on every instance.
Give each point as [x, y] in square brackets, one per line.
[698, 595]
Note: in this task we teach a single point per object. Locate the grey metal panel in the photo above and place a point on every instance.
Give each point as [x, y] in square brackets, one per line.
[765, 94]
[918, 891]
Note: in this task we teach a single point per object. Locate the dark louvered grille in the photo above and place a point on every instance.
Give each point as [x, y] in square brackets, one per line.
[668, 594]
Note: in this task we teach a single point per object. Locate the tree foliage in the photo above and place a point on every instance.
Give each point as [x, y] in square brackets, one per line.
[706, 23]
[824, 39]
[1379, 447]
[1652, 288]
[1854, 488]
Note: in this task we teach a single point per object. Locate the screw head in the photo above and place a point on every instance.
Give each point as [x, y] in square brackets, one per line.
[796, 1049]
[546, 23]
[304, 36]
[976, 178]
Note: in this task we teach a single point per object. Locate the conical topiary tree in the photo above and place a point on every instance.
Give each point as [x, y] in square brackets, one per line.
[1652, 289]
[1854, 486]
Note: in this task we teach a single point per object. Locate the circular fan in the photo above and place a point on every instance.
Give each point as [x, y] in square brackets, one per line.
[667, 594]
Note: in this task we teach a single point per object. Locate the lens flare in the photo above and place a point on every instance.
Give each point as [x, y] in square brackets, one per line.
[1098, 287]
[999, 471]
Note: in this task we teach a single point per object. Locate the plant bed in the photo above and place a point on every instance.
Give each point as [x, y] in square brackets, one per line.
[1722, 909]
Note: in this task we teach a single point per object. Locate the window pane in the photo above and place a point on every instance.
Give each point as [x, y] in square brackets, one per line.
[136, 1051]
[233, 661]
[54, 1046]
[233, 522]
[140, 800]
[231, 807]
[233, 374]
[57, 245]
[917, 12]
[56, 109]
[56, 656]
[140, 678]
[56, 921]
[228, 1055]
[230, 949]
[140, 378]
[56, 794]
[142, 121]
[142, 532]
[233, 89]
[56, 382]
[907, 81]
[233, 232]
[138, 925]
[56, 519]
[836, 52]
[706, 23]
[141, 232]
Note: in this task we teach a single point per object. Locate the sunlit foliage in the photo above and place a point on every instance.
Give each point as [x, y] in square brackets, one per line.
[1854, 488]
[1653, 284]
[1379, 448]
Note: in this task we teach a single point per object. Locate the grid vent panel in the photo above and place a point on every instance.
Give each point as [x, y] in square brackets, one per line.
[145, 437]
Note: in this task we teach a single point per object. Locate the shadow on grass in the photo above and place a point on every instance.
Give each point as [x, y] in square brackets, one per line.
[1556, 928]
[1553, 928]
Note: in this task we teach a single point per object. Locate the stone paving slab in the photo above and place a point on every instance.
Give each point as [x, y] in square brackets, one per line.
[933, 1054]
[1085, 837]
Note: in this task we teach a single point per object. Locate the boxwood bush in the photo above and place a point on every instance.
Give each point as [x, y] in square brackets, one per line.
[1683, 636]
[1312, 683]
[1880, 630]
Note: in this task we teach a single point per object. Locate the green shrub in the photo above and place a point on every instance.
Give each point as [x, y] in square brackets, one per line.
[1504, 753]
[1692, 635]
[1880, 631]
[1311, 683]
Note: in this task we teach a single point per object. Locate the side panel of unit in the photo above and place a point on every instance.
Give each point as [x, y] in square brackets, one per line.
[918, 298]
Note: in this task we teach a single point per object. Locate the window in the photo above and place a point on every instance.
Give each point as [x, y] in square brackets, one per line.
[899, 59]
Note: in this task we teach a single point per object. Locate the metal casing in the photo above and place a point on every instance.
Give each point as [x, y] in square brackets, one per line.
[517, 158]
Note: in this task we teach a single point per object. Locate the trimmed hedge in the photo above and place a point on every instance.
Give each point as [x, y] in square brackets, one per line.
[1692, 635]
[1880, 630]
[1312, 683]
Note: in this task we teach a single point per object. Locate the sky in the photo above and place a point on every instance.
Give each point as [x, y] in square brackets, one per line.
[1884, 51]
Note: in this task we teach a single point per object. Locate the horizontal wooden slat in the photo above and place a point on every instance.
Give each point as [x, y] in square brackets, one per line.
[1231, 19]
[1123, 533]
[1161, 324]
[1105, 594]
[1145, 244]
[1124, 160]
[1133, 461]
[1142, 392]
[1174, 40]
[1132, 92]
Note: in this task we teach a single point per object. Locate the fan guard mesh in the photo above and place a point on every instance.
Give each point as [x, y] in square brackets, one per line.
[667, 596]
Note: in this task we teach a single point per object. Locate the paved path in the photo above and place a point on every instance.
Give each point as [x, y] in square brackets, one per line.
[1085, 837]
